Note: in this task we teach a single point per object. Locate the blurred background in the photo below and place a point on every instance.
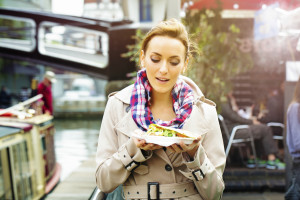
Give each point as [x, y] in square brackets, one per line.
[250, 47]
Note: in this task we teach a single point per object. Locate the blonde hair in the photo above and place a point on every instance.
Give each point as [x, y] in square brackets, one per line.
[171, 28]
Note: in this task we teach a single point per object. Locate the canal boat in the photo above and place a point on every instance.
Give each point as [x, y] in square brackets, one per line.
[28, 167]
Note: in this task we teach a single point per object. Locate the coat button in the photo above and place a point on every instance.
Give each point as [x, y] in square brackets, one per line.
[168, 167]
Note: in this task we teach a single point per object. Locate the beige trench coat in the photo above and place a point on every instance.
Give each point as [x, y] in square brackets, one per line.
[115, 143]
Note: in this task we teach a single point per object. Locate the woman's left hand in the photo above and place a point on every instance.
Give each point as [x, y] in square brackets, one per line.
[189, 148]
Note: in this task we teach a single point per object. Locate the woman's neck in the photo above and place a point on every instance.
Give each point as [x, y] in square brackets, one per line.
[161, 98]
[162, 106]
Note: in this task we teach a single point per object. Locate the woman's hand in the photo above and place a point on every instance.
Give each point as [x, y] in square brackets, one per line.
[189, 148]
[140, 143]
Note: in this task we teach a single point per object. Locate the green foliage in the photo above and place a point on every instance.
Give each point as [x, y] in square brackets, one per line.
[220, 58]
[134, 49]
[216, 55]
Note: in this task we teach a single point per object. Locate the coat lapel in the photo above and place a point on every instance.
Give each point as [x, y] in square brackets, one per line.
[126, 125]
[196, 123]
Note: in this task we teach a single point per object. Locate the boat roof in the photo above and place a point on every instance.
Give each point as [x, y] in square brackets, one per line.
[26, 127]
[5, 131]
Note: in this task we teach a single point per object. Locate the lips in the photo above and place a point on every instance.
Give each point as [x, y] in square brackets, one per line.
[162, 79]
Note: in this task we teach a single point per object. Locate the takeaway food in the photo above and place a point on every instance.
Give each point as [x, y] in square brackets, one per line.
[157, 130]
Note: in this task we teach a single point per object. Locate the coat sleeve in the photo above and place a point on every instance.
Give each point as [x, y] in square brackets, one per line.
[206, 170]
[115, 163]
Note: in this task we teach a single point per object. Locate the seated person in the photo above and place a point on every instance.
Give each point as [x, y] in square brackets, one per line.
[274, 106]
[259, 131]
[274, 112]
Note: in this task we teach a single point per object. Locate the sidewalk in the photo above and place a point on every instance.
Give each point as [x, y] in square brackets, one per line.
[79, 185]
[253, 196]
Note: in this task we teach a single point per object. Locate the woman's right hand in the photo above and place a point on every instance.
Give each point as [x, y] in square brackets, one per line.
[140, 143]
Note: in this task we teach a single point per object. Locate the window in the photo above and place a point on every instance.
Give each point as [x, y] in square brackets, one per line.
[74, 43]
[21, 171]
[17, 33]
[6, 191]
[145, 11]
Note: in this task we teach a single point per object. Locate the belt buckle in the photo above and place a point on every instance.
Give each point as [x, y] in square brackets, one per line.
[157, 189]
[129, 166]
[195, 176]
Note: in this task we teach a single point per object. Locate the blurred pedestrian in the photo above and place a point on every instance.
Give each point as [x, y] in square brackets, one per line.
[161, 96]
[44, 88]
[293, 142]
[5, 98]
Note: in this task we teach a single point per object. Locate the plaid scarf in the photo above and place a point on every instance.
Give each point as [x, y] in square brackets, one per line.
[182, 97]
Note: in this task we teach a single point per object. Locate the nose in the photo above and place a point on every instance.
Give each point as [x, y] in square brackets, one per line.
[163, 68]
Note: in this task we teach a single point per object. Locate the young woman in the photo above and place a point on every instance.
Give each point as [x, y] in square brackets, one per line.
[162, 96]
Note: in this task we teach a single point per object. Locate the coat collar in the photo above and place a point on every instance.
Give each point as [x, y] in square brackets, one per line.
[125, 94]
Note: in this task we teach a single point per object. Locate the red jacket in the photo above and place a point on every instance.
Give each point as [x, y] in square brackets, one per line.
[47, 97]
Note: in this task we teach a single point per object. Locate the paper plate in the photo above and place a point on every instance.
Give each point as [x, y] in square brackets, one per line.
[161, 140]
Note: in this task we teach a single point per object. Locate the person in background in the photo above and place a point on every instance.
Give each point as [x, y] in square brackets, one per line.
[5, 98]
[274, 112]
[259, 132]
[293, 142]
[37, 105]
[161, 96]
[275, 106]
[34, 88]
[44, 88]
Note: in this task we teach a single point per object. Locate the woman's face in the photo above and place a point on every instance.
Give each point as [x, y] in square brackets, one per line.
[164, 60]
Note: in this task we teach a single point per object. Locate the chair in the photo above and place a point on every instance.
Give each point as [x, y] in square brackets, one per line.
[277, 124]
[236, 142]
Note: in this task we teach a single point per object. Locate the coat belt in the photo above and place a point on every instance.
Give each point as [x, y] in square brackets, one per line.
[166, 191]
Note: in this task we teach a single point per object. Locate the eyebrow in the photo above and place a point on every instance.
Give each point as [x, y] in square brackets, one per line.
[170, 57]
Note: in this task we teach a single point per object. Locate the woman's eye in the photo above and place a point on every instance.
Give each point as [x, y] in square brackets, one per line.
[174, 63]
[154, 60]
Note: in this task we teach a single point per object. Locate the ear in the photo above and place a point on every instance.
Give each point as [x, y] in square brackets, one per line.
[186, 63]
[142, 59]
